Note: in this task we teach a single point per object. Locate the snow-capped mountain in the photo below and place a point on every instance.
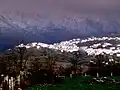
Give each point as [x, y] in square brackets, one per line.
[41, 28]
[93, 45]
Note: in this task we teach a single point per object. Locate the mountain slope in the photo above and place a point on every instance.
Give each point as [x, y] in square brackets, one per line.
[16, 28]
[93, 45]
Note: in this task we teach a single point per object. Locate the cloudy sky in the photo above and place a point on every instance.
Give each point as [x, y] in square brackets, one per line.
[60, 6]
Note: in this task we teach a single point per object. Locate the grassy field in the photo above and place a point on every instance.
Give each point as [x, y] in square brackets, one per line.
[78, 83]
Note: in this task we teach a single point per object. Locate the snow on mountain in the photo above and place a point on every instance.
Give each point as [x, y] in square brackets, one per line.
[99, 45]
[41, 28]
[78, 26]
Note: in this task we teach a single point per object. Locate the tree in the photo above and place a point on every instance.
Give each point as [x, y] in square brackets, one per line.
[50, 58]
[10, 60]
[15, 60]
[75, 58]
[99, 59]
[21, 52]
[3, 65]
[36, 64]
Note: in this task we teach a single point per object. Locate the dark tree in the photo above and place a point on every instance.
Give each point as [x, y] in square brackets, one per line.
[75, 58]
[21, 52]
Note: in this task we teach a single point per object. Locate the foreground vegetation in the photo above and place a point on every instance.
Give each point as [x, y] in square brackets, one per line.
[77, 83]
[25, 67]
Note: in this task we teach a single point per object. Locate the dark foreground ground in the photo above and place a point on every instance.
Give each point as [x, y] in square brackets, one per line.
[77, 83]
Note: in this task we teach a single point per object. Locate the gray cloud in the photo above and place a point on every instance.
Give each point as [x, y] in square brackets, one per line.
[61, 6]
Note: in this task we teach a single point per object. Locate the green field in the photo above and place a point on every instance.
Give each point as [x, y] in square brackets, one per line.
[78, 83]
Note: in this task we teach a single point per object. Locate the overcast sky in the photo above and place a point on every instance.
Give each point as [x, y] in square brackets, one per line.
[61, 6]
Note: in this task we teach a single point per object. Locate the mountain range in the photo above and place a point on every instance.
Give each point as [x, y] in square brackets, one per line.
[17, 28]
